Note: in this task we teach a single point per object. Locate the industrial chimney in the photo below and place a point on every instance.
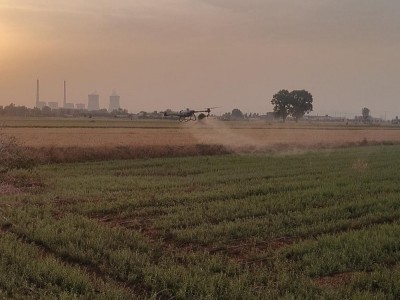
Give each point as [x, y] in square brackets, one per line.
[37, 93]
[65, 94]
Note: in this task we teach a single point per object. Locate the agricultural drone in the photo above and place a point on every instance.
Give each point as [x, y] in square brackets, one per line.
[187, 114]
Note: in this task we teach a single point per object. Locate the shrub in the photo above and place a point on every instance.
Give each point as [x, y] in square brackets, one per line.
[13, 155]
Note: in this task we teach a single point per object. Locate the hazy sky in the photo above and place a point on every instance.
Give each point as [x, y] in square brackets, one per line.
[175, 54]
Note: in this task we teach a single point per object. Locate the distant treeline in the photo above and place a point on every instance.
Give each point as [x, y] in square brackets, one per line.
[13, 110]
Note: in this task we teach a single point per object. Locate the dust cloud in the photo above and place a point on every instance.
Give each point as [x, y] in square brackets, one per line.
[236, 139]
[253, 137]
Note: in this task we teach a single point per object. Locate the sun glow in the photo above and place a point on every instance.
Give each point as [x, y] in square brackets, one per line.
[6, 43]
[16, 47]
[13, 45]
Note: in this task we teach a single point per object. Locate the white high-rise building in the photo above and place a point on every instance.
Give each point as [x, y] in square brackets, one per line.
[114, 102]
[93, 101]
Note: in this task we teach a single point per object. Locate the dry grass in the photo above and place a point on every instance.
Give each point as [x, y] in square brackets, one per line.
[68, 144]
[211, 132]
[94, 137]
[80, 154]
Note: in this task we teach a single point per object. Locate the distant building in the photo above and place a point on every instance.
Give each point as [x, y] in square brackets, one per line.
[69, 105]
[114, 102]
[40, 104]
[369, 120]
[53, 105]
[325, 118]
[65, 95]
[93, 101]
[80, 106]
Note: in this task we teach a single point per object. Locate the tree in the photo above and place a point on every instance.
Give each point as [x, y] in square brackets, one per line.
[365, 114]
[226, 116]
[296, 104]
[237, 114]
[282, 102]
[301, 104]
[46, 111]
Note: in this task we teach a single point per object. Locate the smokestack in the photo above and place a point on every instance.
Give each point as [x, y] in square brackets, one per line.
[65, 94]
[37, 93]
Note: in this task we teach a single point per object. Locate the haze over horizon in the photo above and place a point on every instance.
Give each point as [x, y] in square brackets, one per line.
[199, 53]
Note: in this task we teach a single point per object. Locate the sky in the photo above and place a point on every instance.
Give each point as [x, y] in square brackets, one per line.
[159, 54]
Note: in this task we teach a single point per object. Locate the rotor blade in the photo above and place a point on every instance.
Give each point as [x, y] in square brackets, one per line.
[207, 109]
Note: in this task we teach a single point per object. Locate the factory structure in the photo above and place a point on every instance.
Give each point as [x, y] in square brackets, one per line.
[114, 102]
[66, 104]
[93, 102]
[39, 104]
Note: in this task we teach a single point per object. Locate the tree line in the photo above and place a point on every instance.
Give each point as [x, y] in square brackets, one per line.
[295, 104]
[13, 110]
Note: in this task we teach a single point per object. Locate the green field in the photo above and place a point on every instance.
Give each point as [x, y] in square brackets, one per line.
[320, 224]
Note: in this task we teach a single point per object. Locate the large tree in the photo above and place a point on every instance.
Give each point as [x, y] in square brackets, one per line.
[282, 102]
[237, 114]
[295, 104]
[301, 104]
[366, 114]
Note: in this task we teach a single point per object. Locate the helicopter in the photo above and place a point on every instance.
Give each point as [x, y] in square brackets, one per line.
[187, 114]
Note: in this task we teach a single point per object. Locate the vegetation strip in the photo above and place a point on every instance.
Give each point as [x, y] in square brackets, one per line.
[310, 225]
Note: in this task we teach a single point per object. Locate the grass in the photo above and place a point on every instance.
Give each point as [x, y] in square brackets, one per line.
[321, 224]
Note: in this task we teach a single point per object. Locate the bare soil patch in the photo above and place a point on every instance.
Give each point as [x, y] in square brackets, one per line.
[245, 252]
[143, 225]
[8, 189]
[336, 280]
[10, 185]
[238, 251]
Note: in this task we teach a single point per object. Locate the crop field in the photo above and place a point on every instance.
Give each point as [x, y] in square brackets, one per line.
[233, 135]
[319, 224]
